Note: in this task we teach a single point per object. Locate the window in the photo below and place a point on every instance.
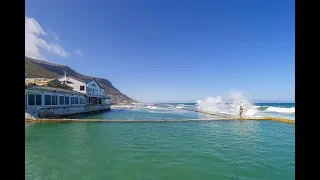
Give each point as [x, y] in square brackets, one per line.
[84, 100]
[66, 100]
[72, 100]
[47, 99]
[61, 100]
[38, 100]
[54, 100]
[76, 100]
[31, 101]
[81, 88]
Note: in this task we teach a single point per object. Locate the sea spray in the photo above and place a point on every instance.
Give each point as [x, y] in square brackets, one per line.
[281, 110]
[227, 105]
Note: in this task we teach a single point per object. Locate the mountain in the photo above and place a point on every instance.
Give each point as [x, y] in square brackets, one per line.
[43, 69]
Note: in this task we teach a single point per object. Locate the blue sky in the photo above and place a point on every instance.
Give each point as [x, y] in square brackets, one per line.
[171, 50]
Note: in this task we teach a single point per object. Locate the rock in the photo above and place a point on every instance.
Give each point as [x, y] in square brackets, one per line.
[30, 116]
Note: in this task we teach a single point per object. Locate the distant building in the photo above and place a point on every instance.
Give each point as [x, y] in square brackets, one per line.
[93, 91]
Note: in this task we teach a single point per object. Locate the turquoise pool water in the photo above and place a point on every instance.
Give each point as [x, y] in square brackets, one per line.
[161, 150]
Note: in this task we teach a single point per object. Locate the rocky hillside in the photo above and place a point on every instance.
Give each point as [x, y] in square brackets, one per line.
[42, 69]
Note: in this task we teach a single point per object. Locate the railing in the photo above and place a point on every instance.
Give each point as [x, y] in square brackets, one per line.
[97, 95]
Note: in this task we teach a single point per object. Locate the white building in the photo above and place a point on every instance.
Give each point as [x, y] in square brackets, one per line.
[93, 91]
[41, 101]
[42, 96]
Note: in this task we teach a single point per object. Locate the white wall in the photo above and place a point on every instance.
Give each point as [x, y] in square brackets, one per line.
[98, 92]
[89, 87]
[56, 109]
[58, 94]
[61, 111]
[76, 84]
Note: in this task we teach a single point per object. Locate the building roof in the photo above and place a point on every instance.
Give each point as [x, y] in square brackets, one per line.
[82, 80]
[96, 82]
[50, 89]
[73, 78]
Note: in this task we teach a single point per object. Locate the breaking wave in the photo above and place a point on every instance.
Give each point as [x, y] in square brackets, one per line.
[281, 110]
[227, 105]
[230, 105]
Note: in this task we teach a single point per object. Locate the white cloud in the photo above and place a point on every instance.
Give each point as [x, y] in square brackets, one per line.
[33, 41]
[55, 36]
[79, 52]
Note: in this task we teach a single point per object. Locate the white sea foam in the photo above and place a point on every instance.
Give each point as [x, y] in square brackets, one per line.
[229, 105]
[156, 107]
[169, 105]
[122, 106]
[152, 107]
[281, 110]
[180, 106]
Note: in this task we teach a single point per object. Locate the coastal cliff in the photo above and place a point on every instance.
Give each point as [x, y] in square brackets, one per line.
[43, 69]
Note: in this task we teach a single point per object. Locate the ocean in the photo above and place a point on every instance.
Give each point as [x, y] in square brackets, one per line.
[171, 111]
[245, 149]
